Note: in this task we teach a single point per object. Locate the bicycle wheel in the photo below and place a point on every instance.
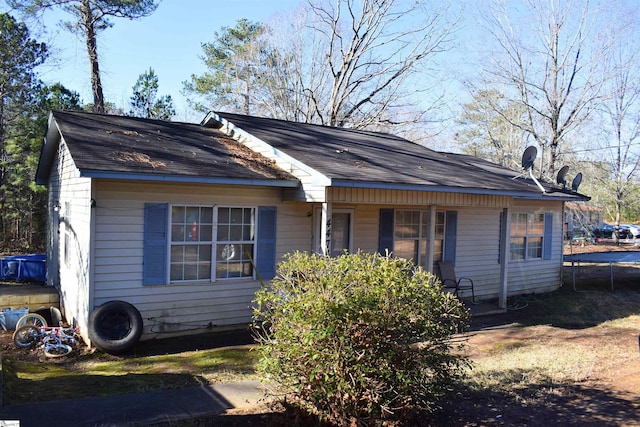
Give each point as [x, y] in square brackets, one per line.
[26, 336]
[31, 319]
[56, 350]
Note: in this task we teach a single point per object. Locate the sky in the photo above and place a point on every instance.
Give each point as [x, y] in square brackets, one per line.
[169, 41]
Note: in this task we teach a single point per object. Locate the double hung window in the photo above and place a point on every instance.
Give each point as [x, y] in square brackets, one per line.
[211, 242]
[527, 234]
[411, 234]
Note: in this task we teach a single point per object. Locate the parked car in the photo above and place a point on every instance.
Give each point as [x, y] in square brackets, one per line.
[622, 232]
[633, 231]
[603, 231]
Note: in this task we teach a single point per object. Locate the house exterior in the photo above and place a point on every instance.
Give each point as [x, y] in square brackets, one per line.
[186, 221]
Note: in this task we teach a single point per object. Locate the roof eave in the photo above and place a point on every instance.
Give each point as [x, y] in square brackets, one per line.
[189, 179]
[444, 189]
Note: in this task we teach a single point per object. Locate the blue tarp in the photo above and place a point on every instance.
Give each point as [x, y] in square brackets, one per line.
[24, 268]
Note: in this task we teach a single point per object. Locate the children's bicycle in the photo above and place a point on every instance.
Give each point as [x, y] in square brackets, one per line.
[55, 341]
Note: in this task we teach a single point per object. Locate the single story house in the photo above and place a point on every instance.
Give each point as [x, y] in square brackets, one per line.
[184, 221]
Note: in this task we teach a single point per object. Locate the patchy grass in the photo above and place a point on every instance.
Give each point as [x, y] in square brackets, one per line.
[100, 375]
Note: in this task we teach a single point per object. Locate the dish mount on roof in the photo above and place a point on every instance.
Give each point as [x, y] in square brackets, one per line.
[528, 159]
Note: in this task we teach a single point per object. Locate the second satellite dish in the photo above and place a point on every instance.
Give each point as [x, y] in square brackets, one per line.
[562, 174]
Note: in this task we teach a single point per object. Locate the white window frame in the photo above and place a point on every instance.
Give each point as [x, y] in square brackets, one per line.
[215, 244]
[527, 237]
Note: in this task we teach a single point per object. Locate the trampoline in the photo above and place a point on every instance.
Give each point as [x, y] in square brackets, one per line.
[612, 258]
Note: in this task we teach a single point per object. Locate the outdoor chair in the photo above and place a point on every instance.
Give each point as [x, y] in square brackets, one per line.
[448, 278]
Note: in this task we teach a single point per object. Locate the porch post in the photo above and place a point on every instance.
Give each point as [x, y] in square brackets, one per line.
[431, 238]
[505, 243]
[325, 229]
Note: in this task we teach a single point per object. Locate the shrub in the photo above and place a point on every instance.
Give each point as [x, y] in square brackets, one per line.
[358, 337]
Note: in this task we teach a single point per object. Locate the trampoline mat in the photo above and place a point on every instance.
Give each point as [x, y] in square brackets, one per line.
[614, 257]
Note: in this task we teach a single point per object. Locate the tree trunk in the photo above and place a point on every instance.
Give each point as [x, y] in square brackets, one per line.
[92, 50]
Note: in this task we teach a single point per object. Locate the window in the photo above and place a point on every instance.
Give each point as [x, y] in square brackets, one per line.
[527, 234]
[411, 233]
[208, 241]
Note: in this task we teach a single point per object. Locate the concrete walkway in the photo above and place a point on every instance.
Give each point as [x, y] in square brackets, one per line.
[137, 409]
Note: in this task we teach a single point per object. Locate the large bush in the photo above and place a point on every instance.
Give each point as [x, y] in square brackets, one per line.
[358, 337]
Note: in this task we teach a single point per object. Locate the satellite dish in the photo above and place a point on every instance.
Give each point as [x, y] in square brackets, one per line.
[562, 173]
[576, 181]
[528, 157]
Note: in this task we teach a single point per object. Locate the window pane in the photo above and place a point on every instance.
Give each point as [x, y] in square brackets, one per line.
[439, 226]
[534, 247]
[248, 216]
[236, 216]
[207, 216]
[205, 233]
[536, 224]
[177, 233]
[247, 232]
[190, 272]
[177, 214]
[517, 248]
[223, 215]
[193, 215]
[235, 233]
[519, 224]
[204, 270]
[407, 249]
[223, 232]
[177, 253]
[205, 254]
[191, 253]
[177, 271]
[437, 250]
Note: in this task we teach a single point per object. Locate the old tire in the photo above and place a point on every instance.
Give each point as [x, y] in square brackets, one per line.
[115, 327]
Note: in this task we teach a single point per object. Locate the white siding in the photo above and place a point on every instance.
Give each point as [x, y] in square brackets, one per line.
[185, 307]
[477, 246]
[72, 277]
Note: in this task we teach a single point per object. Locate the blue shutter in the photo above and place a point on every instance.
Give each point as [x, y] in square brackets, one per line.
[385, 235]
[547, 239]
[155, 244]
[266, 243]
[450, 236]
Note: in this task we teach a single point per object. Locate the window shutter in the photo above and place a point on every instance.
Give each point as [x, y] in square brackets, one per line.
[266, 243]
[547, 239]
[155, 244]
[451, 229]
[385, 235]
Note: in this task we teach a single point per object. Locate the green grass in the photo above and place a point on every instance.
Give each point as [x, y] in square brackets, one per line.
[101, 375]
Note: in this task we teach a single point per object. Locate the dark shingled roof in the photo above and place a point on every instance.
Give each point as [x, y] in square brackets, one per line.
[360, 158]
[108, 145]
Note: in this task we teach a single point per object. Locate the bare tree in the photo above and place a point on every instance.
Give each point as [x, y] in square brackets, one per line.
[619, 127]
[355, 63]
[550, 59]
[90, 17]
